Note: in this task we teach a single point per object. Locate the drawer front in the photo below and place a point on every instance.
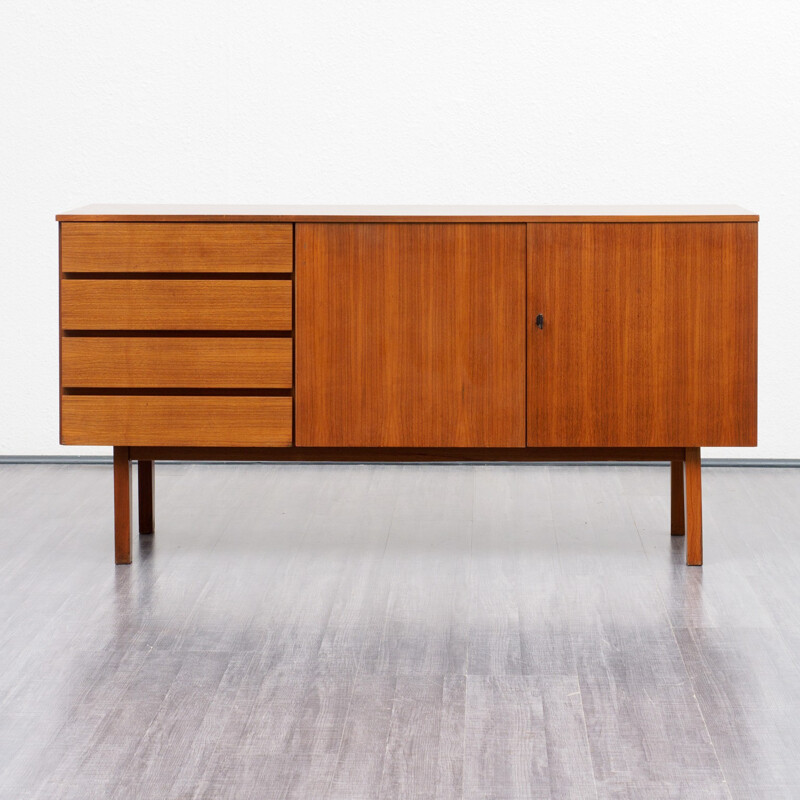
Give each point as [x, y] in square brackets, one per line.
[163, 362]
[176, 247]
[176, 420]
[139, 304]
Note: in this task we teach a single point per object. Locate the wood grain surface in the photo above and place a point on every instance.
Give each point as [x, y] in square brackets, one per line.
[253, 650]
[175, 362]
[141, 304]
[176, 247]
[410, 335]
[649, 334]
[176, 420]
[407, 213]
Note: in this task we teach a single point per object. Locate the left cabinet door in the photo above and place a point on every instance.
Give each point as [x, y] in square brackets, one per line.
[410, 335]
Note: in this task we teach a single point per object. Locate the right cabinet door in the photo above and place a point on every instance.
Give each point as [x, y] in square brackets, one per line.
[642, 334]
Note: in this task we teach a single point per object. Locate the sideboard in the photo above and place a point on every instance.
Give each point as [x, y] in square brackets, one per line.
[407, 333]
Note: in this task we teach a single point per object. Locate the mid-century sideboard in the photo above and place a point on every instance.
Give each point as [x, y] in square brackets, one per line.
[408, 334]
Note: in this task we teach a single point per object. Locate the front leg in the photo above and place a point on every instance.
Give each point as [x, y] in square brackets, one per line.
[694, 508]
[122, 505]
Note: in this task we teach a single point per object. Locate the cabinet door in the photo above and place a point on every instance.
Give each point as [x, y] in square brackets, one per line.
[410, 335]
[648, 334]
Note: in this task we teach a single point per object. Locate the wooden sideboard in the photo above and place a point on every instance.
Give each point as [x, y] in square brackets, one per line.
[408, 334]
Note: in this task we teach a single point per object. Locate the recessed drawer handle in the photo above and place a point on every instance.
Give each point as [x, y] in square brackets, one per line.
[540, 321]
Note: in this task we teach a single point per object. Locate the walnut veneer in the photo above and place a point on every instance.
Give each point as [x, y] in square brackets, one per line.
[408, 333]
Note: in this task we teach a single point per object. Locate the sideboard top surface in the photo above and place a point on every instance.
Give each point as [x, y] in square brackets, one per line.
[405, 213]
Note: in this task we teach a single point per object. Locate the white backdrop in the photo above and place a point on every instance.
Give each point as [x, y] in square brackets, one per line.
[404, 102]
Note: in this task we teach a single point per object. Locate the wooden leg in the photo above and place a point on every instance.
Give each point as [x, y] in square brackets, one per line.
[122, 506]
[678, 513]
[694, 508]
[146, 488]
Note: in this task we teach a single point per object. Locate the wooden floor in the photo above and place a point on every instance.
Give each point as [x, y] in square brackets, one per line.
[405, 631]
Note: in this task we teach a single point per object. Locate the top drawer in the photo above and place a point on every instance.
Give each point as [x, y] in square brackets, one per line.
[176, 247]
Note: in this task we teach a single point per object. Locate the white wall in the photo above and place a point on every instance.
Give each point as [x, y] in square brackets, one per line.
[408, 102]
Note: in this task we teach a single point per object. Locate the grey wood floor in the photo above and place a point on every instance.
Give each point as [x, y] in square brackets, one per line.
[404, 631]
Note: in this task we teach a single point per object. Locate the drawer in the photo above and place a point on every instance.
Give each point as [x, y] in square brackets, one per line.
[141, 304]
[176, 247]
[176, 420]
[176, 362]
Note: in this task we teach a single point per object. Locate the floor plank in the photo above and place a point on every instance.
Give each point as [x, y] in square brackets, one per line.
[367, 631]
